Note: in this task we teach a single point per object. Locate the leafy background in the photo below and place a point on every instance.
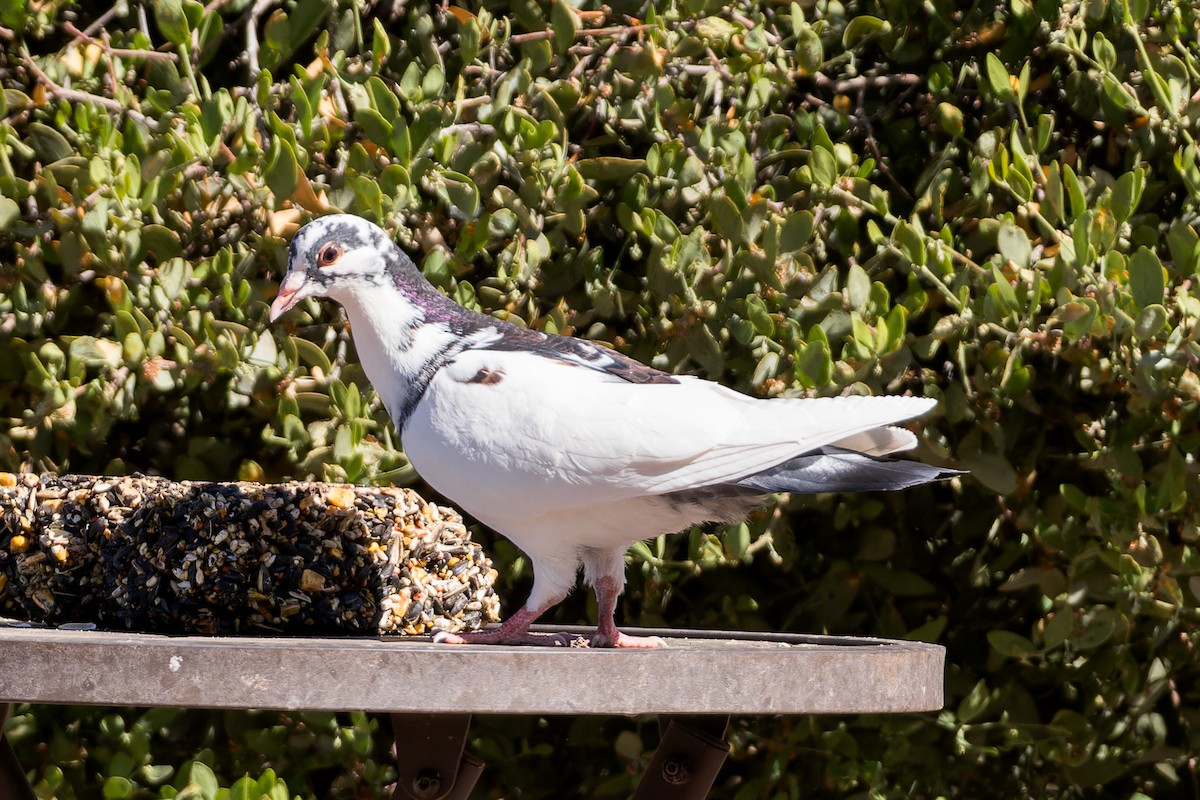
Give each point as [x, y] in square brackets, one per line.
[995, 206]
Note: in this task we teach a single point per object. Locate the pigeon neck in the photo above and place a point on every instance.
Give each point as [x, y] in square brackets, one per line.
[400, 342]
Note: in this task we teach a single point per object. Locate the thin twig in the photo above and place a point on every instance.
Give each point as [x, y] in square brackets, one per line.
[117, 51]
[76, 96]
[750, 25]
[880, 162]
[143, 22]
[866, 81]
[472, 128]
[105, 18]
[718, 65]
[616, 30]
[471, 102]
[260, 8]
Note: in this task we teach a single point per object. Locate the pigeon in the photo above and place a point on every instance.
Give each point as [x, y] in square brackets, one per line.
[571, 450]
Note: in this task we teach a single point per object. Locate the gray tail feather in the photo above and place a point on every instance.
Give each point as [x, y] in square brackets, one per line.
[832, 469]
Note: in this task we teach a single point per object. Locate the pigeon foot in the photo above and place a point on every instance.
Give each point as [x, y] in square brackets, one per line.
[514, 630]
[501, 636]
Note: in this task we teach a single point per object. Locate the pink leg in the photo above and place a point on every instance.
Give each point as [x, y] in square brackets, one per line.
[607, 635]
[514, 630]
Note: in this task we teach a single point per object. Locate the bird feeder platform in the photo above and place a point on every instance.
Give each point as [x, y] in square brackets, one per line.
[694, 684]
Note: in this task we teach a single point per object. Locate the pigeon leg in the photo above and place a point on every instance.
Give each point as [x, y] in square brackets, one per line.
[514, 630]
[608, 589]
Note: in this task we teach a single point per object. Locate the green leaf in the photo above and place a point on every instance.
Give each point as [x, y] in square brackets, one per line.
[862, 28]
[154, 774]
[992, 470]
[1127, 193]
[95, 352]
[814, 364]
[797, 231]
[858, 287]
[900, 582]
[810, 53]
[117, 788]
[1117, 93]
[1074, 191]
[975, 703]
[998, 78]
[1002, 292]
[824, 167]
[565, 23]
[281, 170]
[10, 212]
[433, 81]
[246, 788]
[1053, 208]
[1011, 645]
[381, 45]
[1151, 320]
[172, 21]
[410, 82]
[1098, 630]
[49, 144]
[173, 273]
[756, 312]
[1076, 318]
[1013, 244]
[311, 354]
[375, 128]
[1019, 182]
[1147, 278]
[460, 193]
[727, 222]
[931, 631]
[911, 242]
[610, 169]
[1104, 51]
[201, 776]
[470, 37]
[705, 350]
[1184, 245]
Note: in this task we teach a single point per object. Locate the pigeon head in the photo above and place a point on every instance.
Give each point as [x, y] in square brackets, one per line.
[338, 256]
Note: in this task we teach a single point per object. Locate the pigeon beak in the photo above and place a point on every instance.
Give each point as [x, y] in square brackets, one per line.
[291, 291]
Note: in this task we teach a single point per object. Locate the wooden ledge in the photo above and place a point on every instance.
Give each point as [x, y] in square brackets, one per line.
[701, 672]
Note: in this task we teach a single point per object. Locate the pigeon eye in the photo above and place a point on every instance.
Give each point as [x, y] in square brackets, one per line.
[329, 254]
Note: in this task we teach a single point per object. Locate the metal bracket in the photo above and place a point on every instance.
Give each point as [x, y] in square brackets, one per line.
[13, 783]
[688, 759]
[430, 762]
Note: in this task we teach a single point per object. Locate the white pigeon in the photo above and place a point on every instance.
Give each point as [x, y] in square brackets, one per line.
[572, 450]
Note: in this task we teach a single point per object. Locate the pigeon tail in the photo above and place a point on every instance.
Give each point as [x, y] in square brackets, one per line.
[832, 469]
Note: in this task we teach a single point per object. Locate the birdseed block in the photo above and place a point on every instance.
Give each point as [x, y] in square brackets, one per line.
[148, 554]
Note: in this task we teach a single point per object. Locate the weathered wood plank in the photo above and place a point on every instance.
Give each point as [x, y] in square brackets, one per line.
[737, 674]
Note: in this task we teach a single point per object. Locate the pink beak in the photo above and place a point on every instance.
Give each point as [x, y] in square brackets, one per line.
[289, 294]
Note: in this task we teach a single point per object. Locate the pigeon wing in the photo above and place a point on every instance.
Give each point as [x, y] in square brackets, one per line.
[548, 423]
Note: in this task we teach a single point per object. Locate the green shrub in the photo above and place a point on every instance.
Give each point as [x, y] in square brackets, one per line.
[995, 206]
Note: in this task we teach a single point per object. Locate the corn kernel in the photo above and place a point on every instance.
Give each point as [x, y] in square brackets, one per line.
[341, 498]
